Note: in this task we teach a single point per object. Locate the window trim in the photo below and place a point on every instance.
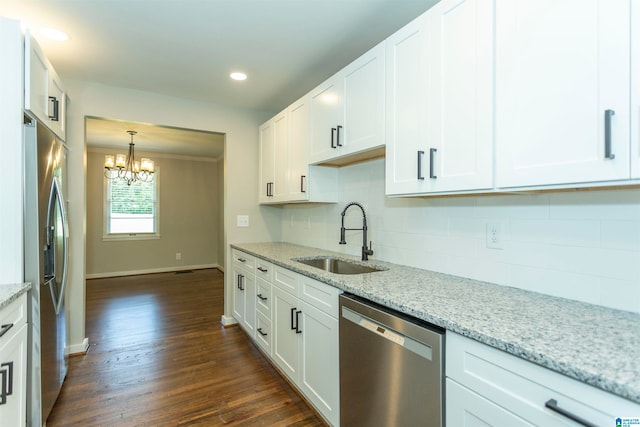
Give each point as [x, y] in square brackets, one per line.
[130, 236]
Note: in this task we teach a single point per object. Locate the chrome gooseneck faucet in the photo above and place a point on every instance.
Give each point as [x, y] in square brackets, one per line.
[366, 251]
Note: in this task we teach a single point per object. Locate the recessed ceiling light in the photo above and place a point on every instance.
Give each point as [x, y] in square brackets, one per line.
[238, 76]
[53, 34]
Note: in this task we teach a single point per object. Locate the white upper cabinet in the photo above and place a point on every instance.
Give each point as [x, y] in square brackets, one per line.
[635, 91]
[273, 159]
[285, 174]
[347, 111]
[298, 172]
[460, 70]
[562, 91]
[44, 93]
[439, 111]
[406, 109]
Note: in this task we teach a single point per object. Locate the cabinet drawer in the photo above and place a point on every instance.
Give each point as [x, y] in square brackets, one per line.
[466, 408]
[286, 280]
[263, 297]
[12, 317]
[320, 295]
[523, 388]
[242, 259]
[264, 270]
[263, 332]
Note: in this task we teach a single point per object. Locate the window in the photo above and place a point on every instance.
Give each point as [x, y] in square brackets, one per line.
[131, 211]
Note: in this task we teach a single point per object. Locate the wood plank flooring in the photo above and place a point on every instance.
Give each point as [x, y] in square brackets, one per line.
[160, 357]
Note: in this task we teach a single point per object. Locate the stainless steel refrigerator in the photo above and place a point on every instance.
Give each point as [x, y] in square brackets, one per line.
[46, 260]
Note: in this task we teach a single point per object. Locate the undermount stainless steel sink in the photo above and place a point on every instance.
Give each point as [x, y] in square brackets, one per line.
[338, 266]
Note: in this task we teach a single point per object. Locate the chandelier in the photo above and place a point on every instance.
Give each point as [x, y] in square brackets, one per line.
[127, 167]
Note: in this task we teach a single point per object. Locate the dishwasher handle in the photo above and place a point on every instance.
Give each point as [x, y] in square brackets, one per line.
[421, 349]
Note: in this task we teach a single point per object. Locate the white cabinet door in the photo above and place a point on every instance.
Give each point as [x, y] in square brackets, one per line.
[244, 299]
[299, 137]
[249, 294]
[13, 363]
[267, 161]
[45, 96]
[562, 73]
[468, 409]
[635, 91]
[347, 111]
[285, 350]
[319, 369]
[238, 296]
[406, 109]
[327, 112]
[459, 96]
[279, 189]
[363, 123]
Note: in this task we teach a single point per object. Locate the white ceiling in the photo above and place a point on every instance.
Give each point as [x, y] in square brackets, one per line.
[187, 48]
[112, 134]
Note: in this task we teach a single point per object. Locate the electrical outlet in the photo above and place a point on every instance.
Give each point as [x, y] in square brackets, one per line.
[178, 256]
[243, 220]
[494, 235]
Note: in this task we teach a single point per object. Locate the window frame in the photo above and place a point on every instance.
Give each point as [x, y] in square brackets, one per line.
[106, 236]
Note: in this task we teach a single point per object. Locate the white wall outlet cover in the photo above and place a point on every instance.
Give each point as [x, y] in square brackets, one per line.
[243, 220]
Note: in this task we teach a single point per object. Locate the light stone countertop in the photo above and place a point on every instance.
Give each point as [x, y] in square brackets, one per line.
[11, 292]
[596, 345]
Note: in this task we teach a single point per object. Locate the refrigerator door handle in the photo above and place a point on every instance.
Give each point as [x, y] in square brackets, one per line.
[56, 200]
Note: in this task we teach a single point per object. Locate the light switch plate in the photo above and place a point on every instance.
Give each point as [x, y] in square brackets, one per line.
[243, 220]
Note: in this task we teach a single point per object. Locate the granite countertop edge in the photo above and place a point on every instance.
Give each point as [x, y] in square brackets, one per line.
[543, 341]
[11, 292]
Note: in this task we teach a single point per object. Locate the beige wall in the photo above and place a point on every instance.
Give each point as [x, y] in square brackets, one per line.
[189, 210]
[240, 168]
[220, 225]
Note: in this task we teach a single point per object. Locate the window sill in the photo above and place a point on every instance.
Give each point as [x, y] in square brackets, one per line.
[131, 236]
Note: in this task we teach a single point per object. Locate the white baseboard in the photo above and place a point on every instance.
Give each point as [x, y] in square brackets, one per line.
[78, 348]
[151, 271]
[228, 321]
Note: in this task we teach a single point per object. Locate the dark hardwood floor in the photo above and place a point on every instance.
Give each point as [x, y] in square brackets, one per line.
[160, 357]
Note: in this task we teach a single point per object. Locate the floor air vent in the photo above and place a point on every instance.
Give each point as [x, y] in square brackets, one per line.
[184, 271]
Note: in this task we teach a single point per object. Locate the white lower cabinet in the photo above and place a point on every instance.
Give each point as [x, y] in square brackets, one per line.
[244, 291]
[466, 408]
[489, 387]
[305, 346]
[13, 363]
[285, 339]
[294, 320]
[319, 364]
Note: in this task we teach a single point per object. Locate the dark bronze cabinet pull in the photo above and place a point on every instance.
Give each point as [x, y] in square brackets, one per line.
[6, 388]
[54, 108]
[608, 114]
[553, 405]
[293, 311]
[264, 334]
[5, 328]
[302, 178]
[420, 154]
[432, 155]
[263, 298]
[298, 331]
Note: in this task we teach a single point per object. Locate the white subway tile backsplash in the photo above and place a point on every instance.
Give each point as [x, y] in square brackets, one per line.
[605, 205]
[624, 235]
[513, 206]
[580, 245]
[557, 232]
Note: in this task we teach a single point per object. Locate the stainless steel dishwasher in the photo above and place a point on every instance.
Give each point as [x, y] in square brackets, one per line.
[391, 367]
